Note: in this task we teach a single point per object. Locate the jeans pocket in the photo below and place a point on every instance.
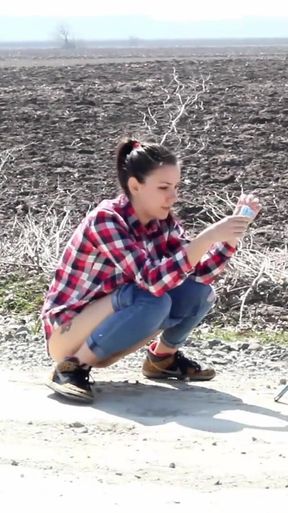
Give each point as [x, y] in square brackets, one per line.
[123, 297]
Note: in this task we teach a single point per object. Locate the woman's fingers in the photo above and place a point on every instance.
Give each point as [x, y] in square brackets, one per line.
[252, 204]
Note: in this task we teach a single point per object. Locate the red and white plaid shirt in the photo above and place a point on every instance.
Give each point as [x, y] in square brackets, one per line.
[111, 247]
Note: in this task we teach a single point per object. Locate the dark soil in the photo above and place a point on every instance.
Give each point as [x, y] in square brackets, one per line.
[60, 126]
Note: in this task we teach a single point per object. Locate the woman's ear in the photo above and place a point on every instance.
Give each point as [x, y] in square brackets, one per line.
[133, 185]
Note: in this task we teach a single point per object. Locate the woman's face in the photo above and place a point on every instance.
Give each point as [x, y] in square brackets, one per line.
[154, 198]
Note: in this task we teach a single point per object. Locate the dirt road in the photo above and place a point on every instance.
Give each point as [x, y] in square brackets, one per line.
[220, 444]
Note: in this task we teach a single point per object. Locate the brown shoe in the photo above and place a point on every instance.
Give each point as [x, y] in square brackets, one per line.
[175, 366]
[71, 380]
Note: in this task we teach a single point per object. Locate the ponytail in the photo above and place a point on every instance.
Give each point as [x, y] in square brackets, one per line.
[139, 160]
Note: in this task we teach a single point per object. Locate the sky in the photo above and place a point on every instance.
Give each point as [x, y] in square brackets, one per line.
[158, 9]
[32, 20]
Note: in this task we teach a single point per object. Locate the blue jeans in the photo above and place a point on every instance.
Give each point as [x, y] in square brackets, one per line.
[138, 315]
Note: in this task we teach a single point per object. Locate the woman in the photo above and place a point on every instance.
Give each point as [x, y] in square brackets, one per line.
[128, 274]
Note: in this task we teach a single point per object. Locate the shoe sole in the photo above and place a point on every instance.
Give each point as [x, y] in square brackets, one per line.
[180, 378]
[58, 389]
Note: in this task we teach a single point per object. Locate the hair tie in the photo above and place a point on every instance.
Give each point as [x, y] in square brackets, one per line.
[136, 145]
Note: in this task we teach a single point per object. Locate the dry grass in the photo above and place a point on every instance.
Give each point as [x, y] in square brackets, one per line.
[36, 245]
[34, 248]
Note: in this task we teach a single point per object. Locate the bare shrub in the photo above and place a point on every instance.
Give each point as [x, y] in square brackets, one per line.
[35, 245]
[179, 101]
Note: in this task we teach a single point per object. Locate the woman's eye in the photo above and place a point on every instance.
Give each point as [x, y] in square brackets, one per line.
[163, 188]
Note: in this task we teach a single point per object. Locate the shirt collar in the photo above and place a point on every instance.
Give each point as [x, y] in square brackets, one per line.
[134, 222]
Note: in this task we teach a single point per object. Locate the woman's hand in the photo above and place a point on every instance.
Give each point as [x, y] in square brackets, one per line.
[249, 206]
[251, 201]
[231, 228]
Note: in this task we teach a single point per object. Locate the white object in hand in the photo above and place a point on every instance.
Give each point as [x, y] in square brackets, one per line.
[247, 211]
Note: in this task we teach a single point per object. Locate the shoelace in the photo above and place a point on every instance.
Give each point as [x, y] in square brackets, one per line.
[184, 363]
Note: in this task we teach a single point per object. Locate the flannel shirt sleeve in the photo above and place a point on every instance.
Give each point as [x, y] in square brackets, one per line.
[211, 264]
[111, 236]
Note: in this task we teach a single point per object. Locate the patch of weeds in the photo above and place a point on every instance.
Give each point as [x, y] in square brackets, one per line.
[22, 295]
[248, 335]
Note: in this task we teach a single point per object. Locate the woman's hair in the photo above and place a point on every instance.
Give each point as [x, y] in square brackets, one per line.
[140, 160]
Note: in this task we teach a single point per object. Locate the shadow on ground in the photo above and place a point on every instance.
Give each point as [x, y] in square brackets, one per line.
[186, 404]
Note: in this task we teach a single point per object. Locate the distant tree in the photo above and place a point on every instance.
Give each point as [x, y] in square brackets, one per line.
[134, 41]
[63, 33]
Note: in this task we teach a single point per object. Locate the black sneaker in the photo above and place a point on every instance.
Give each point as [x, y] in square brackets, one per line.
[71, 380]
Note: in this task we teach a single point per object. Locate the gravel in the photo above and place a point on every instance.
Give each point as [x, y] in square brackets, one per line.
[22, 348]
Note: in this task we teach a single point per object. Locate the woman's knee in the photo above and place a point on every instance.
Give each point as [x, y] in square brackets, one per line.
[160, 306]
[203, 292]
[210, 294]
[190, 297]
[207, 298]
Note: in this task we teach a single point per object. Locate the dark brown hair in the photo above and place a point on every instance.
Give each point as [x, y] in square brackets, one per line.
[140, 159]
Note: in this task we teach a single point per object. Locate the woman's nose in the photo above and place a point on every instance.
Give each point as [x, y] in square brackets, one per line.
[173, 195]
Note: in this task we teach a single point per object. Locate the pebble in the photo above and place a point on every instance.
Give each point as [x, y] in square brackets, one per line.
[213, 343]
[22, 348]
[76, 425]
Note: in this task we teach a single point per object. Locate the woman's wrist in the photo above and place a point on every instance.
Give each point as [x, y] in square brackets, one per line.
[233, 242]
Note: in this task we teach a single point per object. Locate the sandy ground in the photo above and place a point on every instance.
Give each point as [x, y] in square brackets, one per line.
[219, 445]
